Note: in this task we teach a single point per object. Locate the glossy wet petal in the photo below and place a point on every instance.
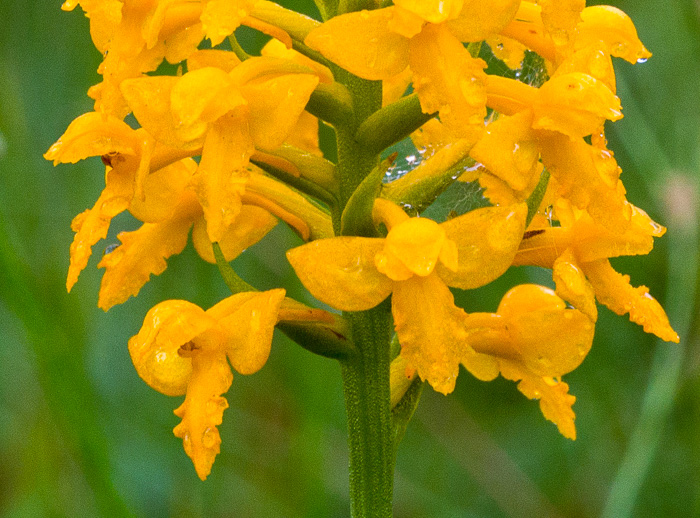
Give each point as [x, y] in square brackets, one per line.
[430, 329]
[573, 286]
[203, 409]
[142, 253]
[575, 104]
[249, 227]
[93, 224]
[163, 190]
[416, 244]
[276, 101]
[449, 80]
[487, 240]
[478, 20]
[433, 11]
[555, 401]
[509, 149]
[615, 291]
[93, 134]
[362, 43]
[610, 28]
[155, 350]
[340, 272]
[221, 175]
[551, 339]
[248, 329]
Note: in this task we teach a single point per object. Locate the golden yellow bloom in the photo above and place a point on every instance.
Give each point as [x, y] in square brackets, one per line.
[534, 339]
[558, 29]
[578, 253]
[427, 38]
[157, 187]
[226, 110]
[416, 262]
[182, 349]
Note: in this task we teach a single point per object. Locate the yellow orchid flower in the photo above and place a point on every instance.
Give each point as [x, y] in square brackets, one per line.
[533, 338]
[136, 36]
[416, 262]
[557, 29]
[182, 349]
[427, 38]
[578, 252]
[156, 186]
[548, 124]
[228, 113]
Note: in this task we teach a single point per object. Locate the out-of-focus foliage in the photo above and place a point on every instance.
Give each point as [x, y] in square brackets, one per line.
[82, 435]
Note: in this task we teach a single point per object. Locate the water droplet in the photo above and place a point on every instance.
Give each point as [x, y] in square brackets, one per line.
[642, 60]
[111, 248]
[210, 437]
[354, 267]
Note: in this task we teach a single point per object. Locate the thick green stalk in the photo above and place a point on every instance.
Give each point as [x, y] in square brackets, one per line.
[366, 373]
[367, 403]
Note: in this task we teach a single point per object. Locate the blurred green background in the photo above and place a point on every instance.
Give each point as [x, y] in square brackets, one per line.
[82, 435]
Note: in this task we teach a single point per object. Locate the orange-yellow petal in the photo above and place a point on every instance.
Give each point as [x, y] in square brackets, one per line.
[276, 99]
[614, 290]
[199, 98]
[551, 339]
[162, 191]
[156, 349]
[221, 17]
[433, 11]
[449, 80]
[93, 224]
[412, 247]
[555, 400]
[508, 50]
[249, 227]
[223, 59]
[248, 329]
[340, 272]
[573, 286]
[430, 329]
[93, 134]
[478, 19]
[362, 44]
[509, 149]
[203, 409]
[221, 177]
[581, 174]
[612, 30]
[277, 49]
[149, 99]
[142, 253]
[487, 240]
[575, 104]
[561, 17]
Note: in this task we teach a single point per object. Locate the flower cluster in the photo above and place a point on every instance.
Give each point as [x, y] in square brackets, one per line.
[228, 146]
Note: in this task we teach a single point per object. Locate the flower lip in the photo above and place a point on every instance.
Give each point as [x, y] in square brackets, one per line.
[414, 247]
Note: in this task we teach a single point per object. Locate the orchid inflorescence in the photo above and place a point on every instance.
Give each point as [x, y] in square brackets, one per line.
[229, 145]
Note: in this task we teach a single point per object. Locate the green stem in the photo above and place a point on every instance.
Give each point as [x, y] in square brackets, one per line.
[367, 396]
[366, 374]
[535, 199]
[231, 278]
